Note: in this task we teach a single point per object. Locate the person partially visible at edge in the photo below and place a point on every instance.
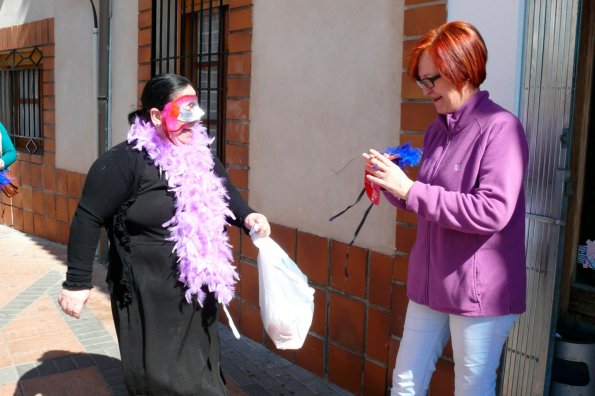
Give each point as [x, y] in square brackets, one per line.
[165, 201]
[8, 154]
[466, 272]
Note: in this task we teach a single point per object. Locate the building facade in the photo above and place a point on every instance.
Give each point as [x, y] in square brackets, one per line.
[294, 92]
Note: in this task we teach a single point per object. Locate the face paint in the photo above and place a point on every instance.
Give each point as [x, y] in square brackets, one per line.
[180, 112]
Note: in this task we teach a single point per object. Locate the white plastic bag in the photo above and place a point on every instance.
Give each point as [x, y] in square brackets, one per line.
[286, 301]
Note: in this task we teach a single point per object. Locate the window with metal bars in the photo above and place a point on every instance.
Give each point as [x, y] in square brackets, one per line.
[20, 97]
[189, 39]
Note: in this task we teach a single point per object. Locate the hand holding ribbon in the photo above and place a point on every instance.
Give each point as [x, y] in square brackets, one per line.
[384, 171]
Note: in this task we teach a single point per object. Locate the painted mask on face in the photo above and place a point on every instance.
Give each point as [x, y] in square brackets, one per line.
[178, 113]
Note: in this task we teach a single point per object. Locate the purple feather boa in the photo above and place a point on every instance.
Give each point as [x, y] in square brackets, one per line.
[198, 226]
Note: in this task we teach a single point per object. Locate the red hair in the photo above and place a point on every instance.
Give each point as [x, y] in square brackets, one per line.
[457, 49]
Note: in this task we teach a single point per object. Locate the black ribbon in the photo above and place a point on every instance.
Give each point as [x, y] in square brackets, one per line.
[359, 227]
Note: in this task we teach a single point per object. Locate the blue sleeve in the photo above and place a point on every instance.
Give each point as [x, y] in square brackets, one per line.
[9, 154]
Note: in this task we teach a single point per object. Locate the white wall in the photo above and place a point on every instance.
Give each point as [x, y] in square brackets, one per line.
[124, 66]
[74, 85]
[325, 88]
[501, 25]
[17, 12]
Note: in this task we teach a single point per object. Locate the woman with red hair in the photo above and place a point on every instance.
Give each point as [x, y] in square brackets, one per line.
[466, 274]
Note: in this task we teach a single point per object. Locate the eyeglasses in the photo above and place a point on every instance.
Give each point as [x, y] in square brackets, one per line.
[427, 82]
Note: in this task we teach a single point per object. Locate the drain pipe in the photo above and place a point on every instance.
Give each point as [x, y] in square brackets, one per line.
[103, 97]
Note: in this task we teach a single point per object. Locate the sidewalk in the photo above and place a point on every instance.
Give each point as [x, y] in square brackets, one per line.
[44, 352]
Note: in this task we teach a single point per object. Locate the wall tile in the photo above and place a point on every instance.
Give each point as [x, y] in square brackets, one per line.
[239, 64]
[398, 310]
[238, 87]
[236, 155]
[285, 237]
[73, 181]
[355, 282]
[49, 129]
[61, 203]
[240, 19]
[28, 222]
[238, 109]
[313, 257]
[247, 246]
[249, 279]
[407, 47]
[374, 379]
[319, 321]
[409, 89]
[345, 368]
[49, 207]
[39, 225]
[311, 355]
[240, 42]
[378, 334]
[380, 276]
[144, 37]
[26, 193]
[234, 238]
[250, 323]
[239, 178]
[6, 216]
[442, 382]
[237, 132]
[145, 5]
[18, 220]
[420, 20]
[25, 177]
[17, 201]
[48, 173]
[62, 232]
[393, 348]
[405, 216]
[37, 197]
[239, 3]
[405, 238]
[144, 19]
[49, 159]
[400, 269]
[50, 228]
[36, 177]
[144, 53]
[347, 318]
[417, 117]
[72, 205]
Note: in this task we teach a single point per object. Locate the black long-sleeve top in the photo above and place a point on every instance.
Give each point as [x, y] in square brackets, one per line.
[118, 179]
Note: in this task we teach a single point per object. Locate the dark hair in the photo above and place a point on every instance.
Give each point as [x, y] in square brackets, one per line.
[157, 92]
[457, 49]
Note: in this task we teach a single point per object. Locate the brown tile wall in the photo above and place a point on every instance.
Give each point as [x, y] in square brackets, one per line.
[48, 195]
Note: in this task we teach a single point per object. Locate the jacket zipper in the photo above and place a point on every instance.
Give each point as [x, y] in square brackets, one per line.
[430, 179]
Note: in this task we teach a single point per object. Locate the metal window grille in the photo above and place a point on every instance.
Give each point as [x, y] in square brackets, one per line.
[188, 39]
[20, 97]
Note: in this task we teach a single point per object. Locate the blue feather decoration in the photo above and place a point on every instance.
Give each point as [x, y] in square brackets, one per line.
[404, 155]
[4, 180]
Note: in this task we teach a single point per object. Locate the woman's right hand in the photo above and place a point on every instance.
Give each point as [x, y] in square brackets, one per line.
[73, 301]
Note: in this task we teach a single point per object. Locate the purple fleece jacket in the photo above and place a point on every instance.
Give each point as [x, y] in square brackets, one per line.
[469, 255]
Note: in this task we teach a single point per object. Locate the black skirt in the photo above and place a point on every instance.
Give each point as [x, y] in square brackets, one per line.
[167, 345]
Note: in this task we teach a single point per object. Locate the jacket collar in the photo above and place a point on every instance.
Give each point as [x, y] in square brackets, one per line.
[464, 115]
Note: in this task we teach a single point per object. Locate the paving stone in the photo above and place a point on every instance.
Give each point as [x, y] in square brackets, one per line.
[8, 375]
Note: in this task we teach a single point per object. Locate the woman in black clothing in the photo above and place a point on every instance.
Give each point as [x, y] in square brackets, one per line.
[165, 201]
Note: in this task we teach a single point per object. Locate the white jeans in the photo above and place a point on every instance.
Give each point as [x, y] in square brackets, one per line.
[476, 343]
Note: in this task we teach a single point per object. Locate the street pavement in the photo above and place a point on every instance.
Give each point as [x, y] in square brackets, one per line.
[44, 352]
